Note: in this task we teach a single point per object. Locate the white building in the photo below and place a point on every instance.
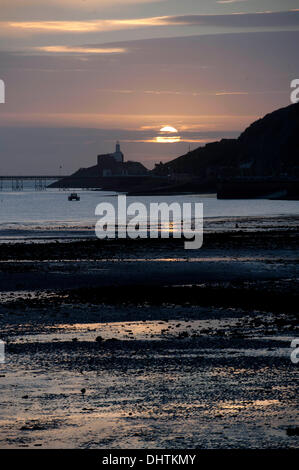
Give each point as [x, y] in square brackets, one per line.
[118, 155]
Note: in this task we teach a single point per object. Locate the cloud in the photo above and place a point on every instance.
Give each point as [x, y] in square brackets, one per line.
[194, 93]
[231, 1]
[71, 27]
[39, 150]
[267, 19]
[134, 124]
[77, 3]
[82, 50]
[132, 95]
[56, 26]
[239, 20]
[10, 6]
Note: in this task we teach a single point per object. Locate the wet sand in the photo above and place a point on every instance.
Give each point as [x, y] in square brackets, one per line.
[175, 348]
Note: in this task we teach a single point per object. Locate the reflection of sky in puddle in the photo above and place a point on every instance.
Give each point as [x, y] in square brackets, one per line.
[146, 403]
[231, 407]
[159, 330]
[9, 296]
[138, 330]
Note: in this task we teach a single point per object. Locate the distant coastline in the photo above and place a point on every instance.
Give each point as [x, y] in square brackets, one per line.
[262, 162]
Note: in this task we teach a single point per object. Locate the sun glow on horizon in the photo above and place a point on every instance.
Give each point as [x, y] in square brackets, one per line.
[162, 139]
[168, 139]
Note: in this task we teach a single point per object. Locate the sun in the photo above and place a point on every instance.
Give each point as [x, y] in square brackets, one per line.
[168, 129]
[171, 136]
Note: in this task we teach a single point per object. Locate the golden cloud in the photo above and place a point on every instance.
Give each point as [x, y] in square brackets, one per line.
[35, 27]
[82, 50]
[261, 19]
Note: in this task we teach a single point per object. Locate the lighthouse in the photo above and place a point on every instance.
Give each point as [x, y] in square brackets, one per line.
[118, 155]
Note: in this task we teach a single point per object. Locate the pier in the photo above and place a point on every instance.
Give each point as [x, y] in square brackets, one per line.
[17, 181]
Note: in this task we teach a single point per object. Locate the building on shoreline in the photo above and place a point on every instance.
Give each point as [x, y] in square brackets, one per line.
[113, 164]
[116, 156]
[111, 173]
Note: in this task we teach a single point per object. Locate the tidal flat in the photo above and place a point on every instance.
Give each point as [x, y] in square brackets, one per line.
[122, 344]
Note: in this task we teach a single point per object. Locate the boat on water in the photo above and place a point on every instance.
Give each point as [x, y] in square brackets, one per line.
[74, 197]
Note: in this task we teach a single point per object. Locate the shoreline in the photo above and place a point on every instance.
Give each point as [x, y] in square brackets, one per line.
[216, 224]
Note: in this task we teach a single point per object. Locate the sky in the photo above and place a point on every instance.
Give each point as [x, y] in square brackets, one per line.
[81, 74]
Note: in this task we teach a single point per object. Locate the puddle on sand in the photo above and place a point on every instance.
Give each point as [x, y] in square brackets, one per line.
[12, 296]
[137, 330]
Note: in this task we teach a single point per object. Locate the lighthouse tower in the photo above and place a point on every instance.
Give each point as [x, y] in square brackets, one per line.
[118, 155]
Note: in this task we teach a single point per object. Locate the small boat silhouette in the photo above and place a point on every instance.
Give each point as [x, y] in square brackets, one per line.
[74, 197]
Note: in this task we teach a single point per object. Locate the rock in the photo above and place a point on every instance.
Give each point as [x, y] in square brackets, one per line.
[293, 431]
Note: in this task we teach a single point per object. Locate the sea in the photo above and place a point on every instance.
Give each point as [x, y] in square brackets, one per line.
[31, 215]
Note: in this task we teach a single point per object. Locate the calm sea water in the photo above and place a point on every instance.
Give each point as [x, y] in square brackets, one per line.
[30, 213]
